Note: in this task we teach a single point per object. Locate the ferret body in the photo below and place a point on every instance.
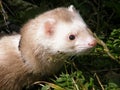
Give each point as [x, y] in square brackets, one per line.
[42, 47]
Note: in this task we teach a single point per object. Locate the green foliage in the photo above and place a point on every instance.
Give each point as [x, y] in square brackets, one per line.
[74, 81]
[114, 42]
[46, 87]
[112, 86]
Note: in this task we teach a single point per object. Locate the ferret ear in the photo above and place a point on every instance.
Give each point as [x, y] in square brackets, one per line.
[49, 26]
[71, 8]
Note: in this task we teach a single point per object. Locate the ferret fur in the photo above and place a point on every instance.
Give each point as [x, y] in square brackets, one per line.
[42, 47]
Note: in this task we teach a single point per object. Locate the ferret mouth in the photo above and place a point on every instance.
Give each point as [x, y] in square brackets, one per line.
[84, 50]
[77, 50]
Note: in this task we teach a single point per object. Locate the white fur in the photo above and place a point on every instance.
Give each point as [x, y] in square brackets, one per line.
[61, 42]
[10, 44]
[71, 8]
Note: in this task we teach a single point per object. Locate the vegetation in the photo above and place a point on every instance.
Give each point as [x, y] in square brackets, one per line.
[100, 70]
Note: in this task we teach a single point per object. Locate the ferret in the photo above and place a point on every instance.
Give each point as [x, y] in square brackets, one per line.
[42, 46]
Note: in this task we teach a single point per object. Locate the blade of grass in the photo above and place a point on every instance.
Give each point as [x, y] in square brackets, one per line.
[50, 84]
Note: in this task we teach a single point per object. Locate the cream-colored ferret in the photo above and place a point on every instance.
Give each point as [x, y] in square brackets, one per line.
[42, 46]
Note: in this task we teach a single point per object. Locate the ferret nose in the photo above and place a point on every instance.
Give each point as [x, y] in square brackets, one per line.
[92, 43]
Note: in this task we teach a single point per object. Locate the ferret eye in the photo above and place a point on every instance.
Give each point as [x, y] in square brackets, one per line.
[72, 37]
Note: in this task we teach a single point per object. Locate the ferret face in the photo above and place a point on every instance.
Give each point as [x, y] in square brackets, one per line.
[72, 38]
[60, 30]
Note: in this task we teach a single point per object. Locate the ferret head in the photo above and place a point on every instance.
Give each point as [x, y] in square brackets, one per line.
[59, 30]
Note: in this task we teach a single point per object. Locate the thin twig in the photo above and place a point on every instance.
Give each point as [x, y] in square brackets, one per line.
[100, 42]
[5, 16]
[99, 81]
[104, 46]
[104, 70]
[76, 86]
[56, 87]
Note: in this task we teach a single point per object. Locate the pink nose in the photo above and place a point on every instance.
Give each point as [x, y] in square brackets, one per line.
[92, 43]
